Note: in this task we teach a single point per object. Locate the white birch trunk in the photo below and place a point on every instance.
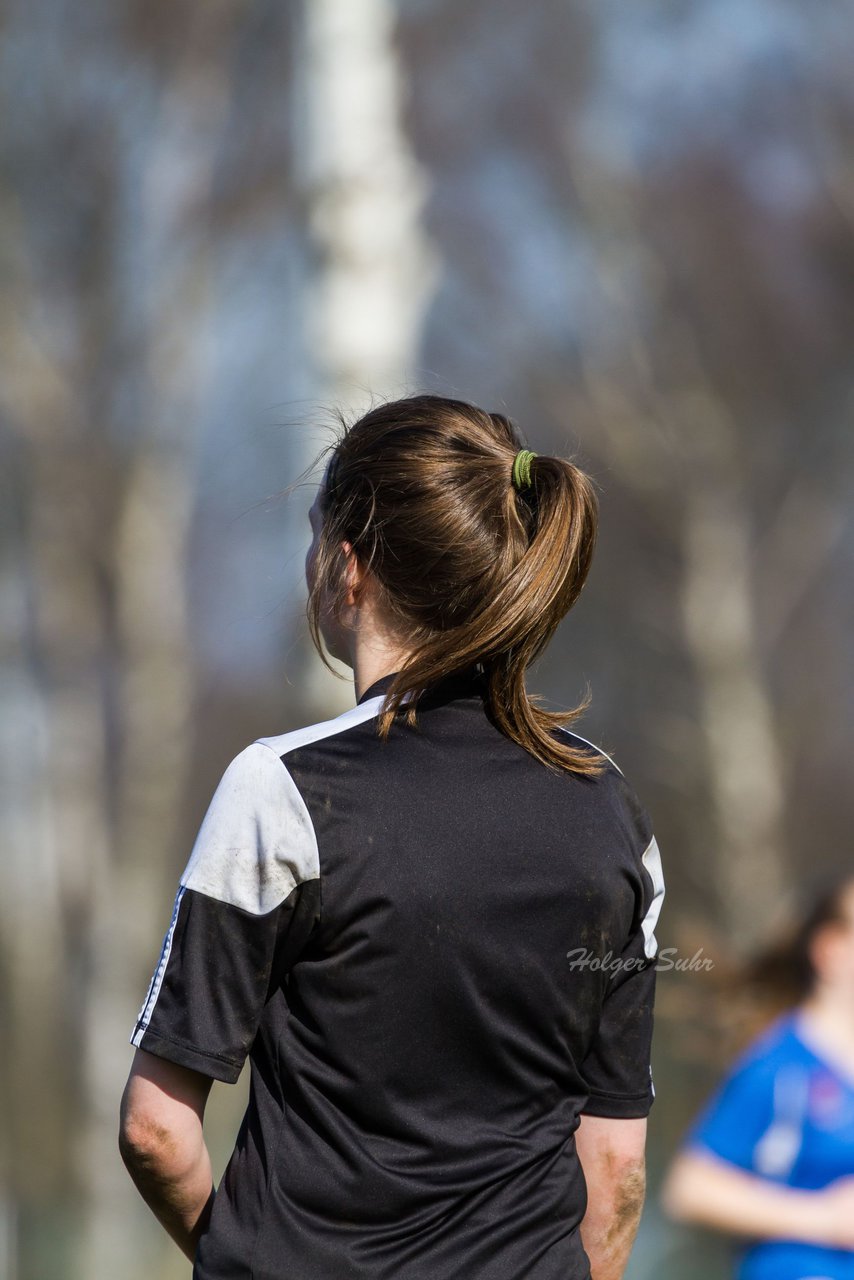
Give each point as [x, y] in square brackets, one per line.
[363, 191]
[745, 769]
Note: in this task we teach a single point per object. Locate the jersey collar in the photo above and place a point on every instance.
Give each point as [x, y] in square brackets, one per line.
[457, 685]
[379, 686]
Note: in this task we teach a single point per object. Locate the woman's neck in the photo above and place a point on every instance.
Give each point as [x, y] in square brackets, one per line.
[827, 1019]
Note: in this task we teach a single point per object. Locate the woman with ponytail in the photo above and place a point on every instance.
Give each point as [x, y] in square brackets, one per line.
[427, 922]
[770, 1160]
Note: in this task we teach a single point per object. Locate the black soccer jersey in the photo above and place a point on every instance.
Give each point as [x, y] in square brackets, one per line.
[437, 954]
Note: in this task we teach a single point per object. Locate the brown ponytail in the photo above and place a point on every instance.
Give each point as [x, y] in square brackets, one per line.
[468, 568]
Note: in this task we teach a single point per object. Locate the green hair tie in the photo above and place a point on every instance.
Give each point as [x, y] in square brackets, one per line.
[522, 468]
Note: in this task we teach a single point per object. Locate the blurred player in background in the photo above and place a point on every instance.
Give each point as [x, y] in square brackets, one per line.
[770, 1159]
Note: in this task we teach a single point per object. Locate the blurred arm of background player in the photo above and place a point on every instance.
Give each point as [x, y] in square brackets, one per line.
[612, 1156]
[711, 1192]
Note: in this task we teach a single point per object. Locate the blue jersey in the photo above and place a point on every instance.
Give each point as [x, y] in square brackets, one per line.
[786, 1114]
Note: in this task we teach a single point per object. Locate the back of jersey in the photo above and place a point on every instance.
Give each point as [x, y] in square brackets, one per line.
[438, 954]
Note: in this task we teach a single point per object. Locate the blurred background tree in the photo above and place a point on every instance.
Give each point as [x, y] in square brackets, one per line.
[630, 228]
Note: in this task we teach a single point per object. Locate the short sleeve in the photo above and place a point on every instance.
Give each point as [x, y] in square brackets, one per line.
[246, 905]
[617, 1068]
[739, 1113]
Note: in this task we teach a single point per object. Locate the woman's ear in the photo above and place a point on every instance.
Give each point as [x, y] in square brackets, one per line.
[824, 948]
[355, 576]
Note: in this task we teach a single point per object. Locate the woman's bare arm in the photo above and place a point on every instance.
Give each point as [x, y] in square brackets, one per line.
[612, 1157]
[162, 1145]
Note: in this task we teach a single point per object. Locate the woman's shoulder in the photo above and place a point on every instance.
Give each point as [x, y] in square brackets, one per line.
[773, 1045]
[308, 734]
[618, 798]
[593, 749]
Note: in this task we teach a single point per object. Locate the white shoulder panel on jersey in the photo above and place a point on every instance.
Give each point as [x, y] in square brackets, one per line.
[652, 861]
[256, 842]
